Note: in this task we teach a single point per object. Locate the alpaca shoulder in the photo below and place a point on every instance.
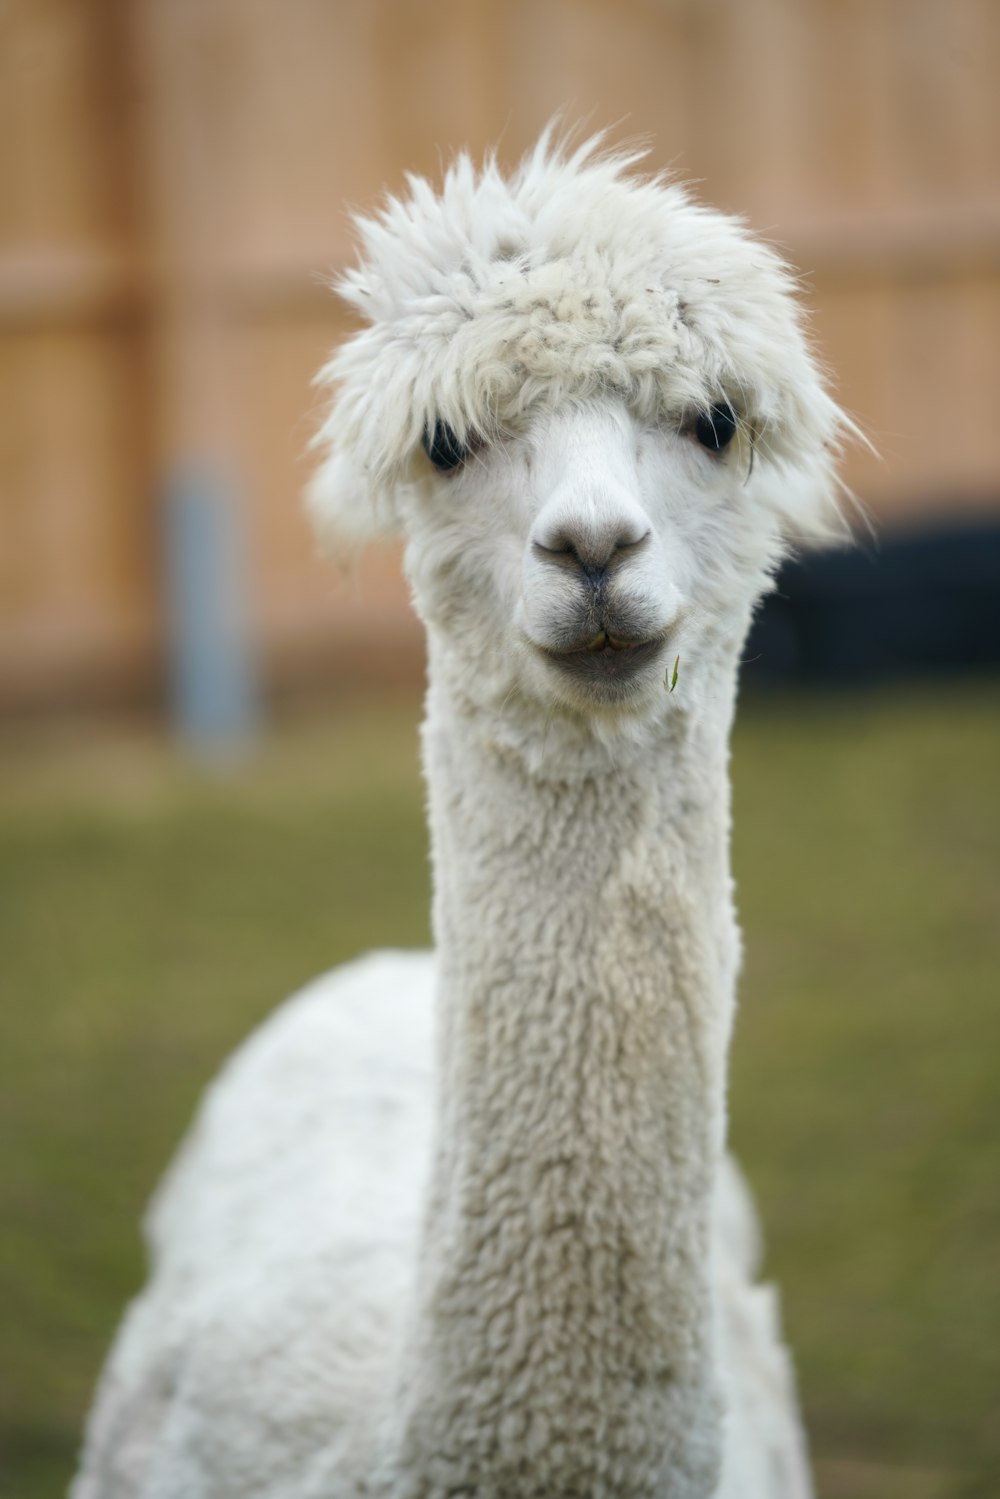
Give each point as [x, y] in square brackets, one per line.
[321, 1092]
[282, 1245]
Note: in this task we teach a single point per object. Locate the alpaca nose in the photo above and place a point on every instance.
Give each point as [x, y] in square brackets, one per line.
[589, 545]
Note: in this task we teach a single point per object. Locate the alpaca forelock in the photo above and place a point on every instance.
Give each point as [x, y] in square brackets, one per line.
[497, 299]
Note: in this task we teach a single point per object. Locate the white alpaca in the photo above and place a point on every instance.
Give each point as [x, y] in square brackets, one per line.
[511, 1261]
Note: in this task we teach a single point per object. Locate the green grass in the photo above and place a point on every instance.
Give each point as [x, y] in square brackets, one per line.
[150, 913]
[866, 1069]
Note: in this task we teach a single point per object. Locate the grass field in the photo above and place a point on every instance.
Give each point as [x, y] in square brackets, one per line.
[150, 913]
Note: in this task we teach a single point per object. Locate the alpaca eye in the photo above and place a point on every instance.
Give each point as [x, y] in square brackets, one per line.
[443, 447]
[716, 429]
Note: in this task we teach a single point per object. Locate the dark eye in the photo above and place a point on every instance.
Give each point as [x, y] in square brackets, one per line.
[443, 447]
[716, 429]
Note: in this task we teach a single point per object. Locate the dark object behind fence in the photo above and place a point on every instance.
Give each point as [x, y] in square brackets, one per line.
[903, 604]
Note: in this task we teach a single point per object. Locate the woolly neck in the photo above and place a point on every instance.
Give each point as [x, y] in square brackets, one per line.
[561, 1341]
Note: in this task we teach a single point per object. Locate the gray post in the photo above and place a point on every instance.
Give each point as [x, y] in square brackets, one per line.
[213, 680]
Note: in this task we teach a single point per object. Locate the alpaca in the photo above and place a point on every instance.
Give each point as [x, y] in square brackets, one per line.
[462, 1223]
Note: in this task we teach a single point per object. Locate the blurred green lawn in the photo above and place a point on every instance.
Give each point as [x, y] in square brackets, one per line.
[151, 912]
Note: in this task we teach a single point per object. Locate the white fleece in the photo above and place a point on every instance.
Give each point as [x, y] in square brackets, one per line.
[462, 1224]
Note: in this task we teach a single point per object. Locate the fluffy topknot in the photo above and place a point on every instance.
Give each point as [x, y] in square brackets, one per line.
[573, 277]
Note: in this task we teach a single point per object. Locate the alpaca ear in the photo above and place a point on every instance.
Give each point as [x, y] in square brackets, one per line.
[345, 509]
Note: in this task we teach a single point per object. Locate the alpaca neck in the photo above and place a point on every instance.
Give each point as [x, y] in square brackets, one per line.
[561, 1340]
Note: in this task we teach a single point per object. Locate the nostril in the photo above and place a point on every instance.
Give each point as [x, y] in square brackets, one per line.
[590, 550]
[568, 556]
[558, 550]
[629, 542]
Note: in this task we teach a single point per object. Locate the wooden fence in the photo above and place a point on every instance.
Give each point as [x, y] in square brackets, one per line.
[174, 175]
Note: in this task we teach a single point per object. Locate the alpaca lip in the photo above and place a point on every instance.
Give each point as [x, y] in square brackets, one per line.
[606, 658]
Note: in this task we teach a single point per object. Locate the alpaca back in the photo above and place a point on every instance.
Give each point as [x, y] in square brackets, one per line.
[283, 1245]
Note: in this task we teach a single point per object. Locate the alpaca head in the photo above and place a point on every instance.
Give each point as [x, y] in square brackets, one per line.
[587, 406]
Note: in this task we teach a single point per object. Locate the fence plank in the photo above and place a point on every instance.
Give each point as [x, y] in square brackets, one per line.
[172, 188]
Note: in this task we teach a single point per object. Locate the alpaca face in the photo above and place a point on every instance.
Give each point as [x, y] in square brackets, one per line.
[576, 559]
[587, 405]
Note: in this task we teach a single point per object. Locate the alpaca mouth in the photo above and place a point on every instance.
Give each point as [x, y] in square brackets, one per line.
[606, 659]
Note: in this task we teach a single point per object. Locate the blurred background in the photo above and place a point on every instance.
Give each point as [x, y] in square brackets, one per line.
[208, 761]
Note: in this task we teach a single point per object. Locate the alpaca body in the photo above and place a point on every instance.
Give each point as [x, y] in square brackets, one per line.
[497, 1254]
[257, 1362]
